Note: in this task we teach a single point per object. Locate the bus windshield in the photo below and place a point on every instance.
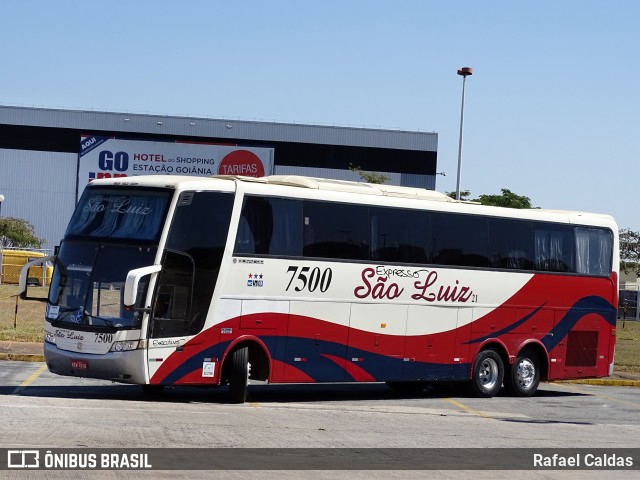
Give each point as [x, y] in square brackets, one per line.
[88, 281]
[118, 214]
[112, 231]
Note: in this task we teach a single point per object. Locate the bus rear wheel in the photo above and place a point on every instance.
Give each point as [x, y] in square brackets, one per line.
[524, 375]
[239, 376]
[488, 373]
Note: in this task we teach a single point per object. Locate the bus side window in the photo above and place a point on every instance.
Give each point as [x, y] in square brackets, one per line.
[269, 226]
[511, 243]
[244, 238]
[171, 309]
[554, 249]
[336, 230]
[594, 251]
[399, 235]
[460, 240]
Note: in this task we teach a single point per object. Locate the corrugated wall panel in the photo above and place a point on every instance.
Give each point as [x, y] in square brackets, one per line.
[39, 187]
[220, 128]
[418, 181]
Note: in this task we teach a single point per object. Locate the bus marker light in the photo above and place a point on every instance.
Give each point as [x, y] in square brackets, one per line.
[125, 345]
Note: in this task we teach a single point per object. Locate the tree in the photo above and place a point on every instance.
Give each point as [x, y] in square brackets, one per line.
[630, 251]
[506, 199]
[15, 232]
[369, 177]
[464, 195]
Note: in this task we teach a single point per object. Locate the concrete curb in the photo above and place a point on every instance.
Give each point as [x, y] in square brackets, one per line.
[21, 357]
[605, 382]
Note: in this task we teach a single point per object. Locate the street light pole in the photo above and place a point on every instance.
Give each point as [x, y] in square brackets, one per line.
[1, 200]
[464, 72]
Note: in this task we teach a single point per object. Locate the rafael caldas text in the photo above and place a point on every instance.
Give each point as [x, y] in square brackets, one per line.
[378, 283]
[581, 460]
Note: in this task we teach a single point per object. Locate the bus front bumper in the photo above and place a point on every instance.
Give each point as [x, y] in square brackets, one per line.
[124, 367]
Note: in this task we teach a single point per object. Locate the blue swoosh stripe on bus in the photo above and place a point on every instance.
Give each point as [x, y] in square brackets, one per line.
[380, 367]
[316, 366]
[506, 329]
[320, 368]
[585, 306]
[192, 363]
[588, 305]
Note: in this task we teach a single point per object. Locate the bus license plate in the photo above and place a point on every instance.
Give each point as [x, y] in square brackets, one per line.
[80, 364]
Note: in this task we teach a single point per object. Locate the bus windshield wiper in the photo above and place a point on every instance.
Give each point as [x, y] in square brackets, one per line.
[64, 313]
[106, 321]
[63, 318]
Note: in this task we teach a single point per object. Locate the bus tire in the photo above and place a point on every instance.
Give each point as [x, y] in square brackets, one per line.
[239, 376]
[488, 373]
[524, 375]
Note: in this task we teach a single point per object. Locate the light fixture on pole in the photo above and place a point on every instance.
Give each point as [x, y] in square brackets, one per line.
[1, 200]
[464, 71]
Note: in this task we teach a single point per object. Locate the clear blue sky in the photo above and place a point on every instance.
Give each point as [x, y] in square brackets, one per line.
[551, 112]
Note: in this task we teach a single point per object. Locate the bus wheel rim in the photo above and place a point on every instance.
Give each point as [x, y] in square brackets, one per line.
[526, 373]
[489, 373]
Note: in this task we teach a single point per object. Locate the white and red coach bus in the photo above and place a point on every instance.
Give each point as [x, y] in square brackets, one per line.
[165, 280]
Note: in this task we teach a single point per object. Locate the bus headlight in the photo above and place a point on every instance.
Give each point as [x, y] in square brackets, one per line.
[124, 346]
[49, 337]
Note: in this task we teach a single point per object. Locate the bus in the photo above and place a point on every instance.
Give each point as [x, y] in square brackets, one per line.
[175, 281]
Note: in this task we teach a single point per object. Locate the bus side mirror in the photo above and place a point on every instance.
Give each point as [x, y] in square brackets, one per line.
[133, 279]
[24, 281]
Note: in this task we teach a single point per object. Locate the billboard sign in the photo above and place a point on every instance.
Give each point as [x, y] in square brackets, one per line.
[105, 157]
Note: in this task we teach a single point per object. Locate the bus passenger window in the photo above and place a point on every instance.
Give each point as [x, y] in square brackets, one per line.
[399, 235]
[270, 226]
[511, 243]
[336, 230]
[554, 249]
[594, 251]
[460, 240]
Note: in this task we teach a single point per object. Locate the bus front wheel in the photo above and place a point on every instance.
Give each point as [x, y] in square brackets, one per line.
[239, 376]
[488, 373]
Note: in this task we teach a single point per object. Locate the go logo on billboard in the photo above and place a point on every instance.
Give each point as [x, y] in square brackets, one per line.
[109, 161]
